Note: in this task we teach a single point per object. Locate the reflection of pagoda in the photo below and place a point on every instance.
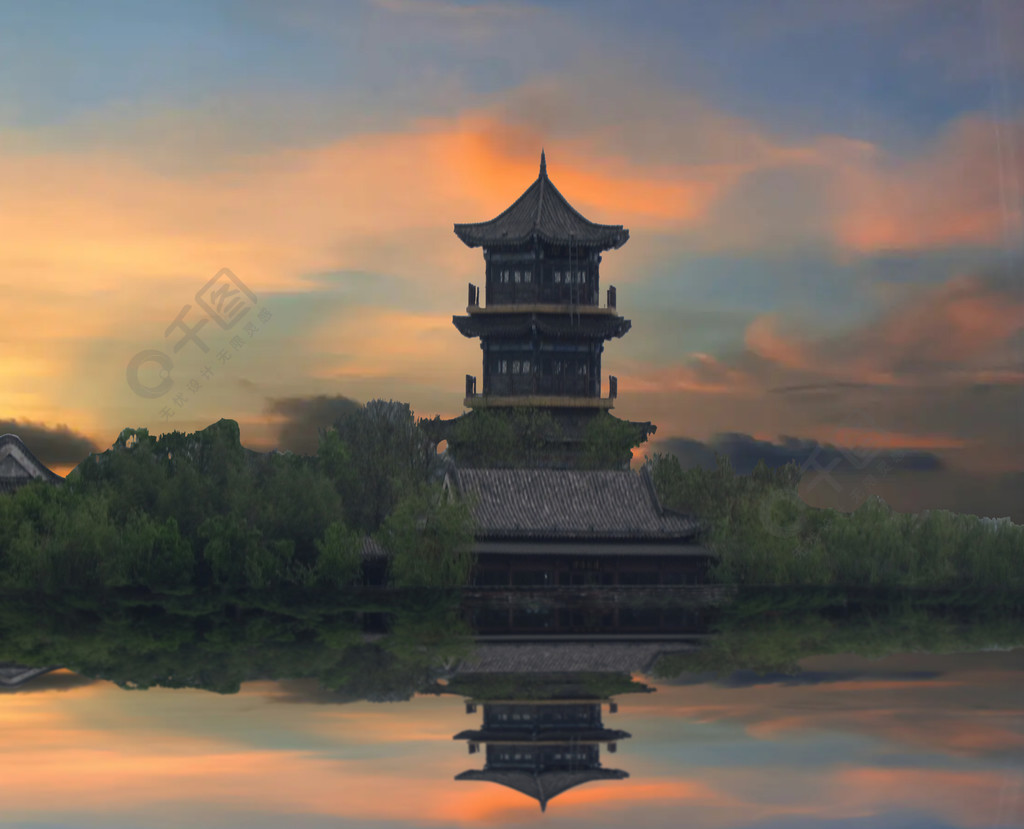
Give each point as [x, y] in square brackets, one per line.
[542, 747]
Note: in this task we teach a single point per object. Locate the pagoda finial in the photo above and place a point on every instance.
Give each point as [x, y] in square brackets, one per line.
[543, 164]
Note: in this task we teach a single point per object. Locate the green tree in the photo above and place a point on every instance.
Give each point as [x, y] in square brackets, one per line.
[608, 442]
[339, 557]
[378, 456]
[506, 438]
[429, 537]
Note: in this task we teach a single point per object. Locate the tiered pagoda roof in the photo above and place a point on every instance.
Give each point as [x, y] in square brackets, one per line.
[544, 213]
[542, 786]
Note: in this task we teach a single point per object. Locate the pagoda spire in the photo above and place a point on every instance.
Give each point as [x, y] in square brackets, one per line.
[543, 164]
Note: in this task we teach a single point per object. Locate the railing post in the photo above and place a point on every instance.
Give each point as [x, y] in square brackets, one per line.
[474, 295]
[611, 296]
[470, 385]
[613, 386]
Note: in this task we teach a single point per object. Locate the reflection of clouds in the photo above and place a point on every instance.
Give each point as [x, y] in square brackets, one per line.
[773, 753]
[956, 707]
[746, 679]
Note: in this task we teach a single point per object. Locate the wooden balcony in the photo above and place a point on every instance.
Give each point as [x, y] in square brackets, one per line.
[474, 306]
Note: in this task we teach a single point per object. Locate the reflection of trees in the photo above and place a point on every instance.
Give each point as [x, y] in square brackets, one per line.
[771, 630]
[197, 641]
[390, 645]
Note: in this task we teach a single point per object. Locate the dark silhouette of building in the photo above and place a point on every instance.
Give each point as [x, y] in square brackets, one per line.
[542, 331]
[542, 747]
[541, 327]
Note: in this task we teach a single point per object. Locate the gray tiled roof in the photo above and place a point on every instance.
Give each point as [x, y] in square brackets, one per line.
[543, 211]
[568, 503]
[562, 657]
[371, 548]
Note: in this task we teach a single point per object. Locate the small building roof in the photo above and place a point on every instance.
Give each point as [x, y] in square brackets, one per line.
[12, 675]
[543, 212]
[18, 466]
[568, 503]
[542, 786]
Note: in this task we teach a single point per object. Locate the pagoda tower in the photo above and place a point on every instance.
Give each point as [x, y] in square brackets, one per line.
[542, 330]
[541, 326]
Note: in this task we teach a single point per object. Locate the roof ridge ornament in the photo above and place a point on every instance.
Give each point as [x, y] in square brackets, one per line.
[540, 197]
[541, 213]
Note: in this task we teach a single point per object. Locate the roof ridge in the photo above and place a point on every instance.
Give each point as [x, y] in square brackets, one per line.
[645, 473]
[542, 178]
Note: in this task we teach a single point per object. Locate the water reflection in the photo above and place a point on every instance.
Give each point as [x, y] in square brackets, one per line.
[542, 747]
[740, 726]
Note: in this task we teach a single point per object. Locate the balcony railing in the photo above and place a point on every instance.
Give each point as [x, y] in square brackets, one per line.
[537, 301]
[534, 398]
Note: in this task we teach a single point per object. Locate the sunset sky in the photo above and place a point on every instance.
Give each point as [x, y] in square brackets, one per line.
[825, 202]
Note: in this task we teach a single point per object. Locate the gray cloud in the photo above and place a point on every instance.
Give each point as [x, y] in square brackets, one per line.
[53, 445]
[744, 452]
[304, 417]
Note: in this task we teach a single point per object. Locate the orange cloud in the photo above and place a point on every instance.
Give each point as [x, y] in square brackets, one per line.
[764, 340]
[704, 374]
[971, 798]
[954, 194]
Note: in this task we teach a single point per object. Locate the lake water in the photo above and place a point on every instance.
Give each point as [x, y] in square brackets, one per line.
[584, 724]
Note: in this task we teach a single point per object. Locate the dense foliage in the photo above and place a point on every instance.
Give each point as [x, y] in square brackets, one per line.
[364, 645]
[531, 437]
[185, 510]
[505, 438]
[764, 533]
